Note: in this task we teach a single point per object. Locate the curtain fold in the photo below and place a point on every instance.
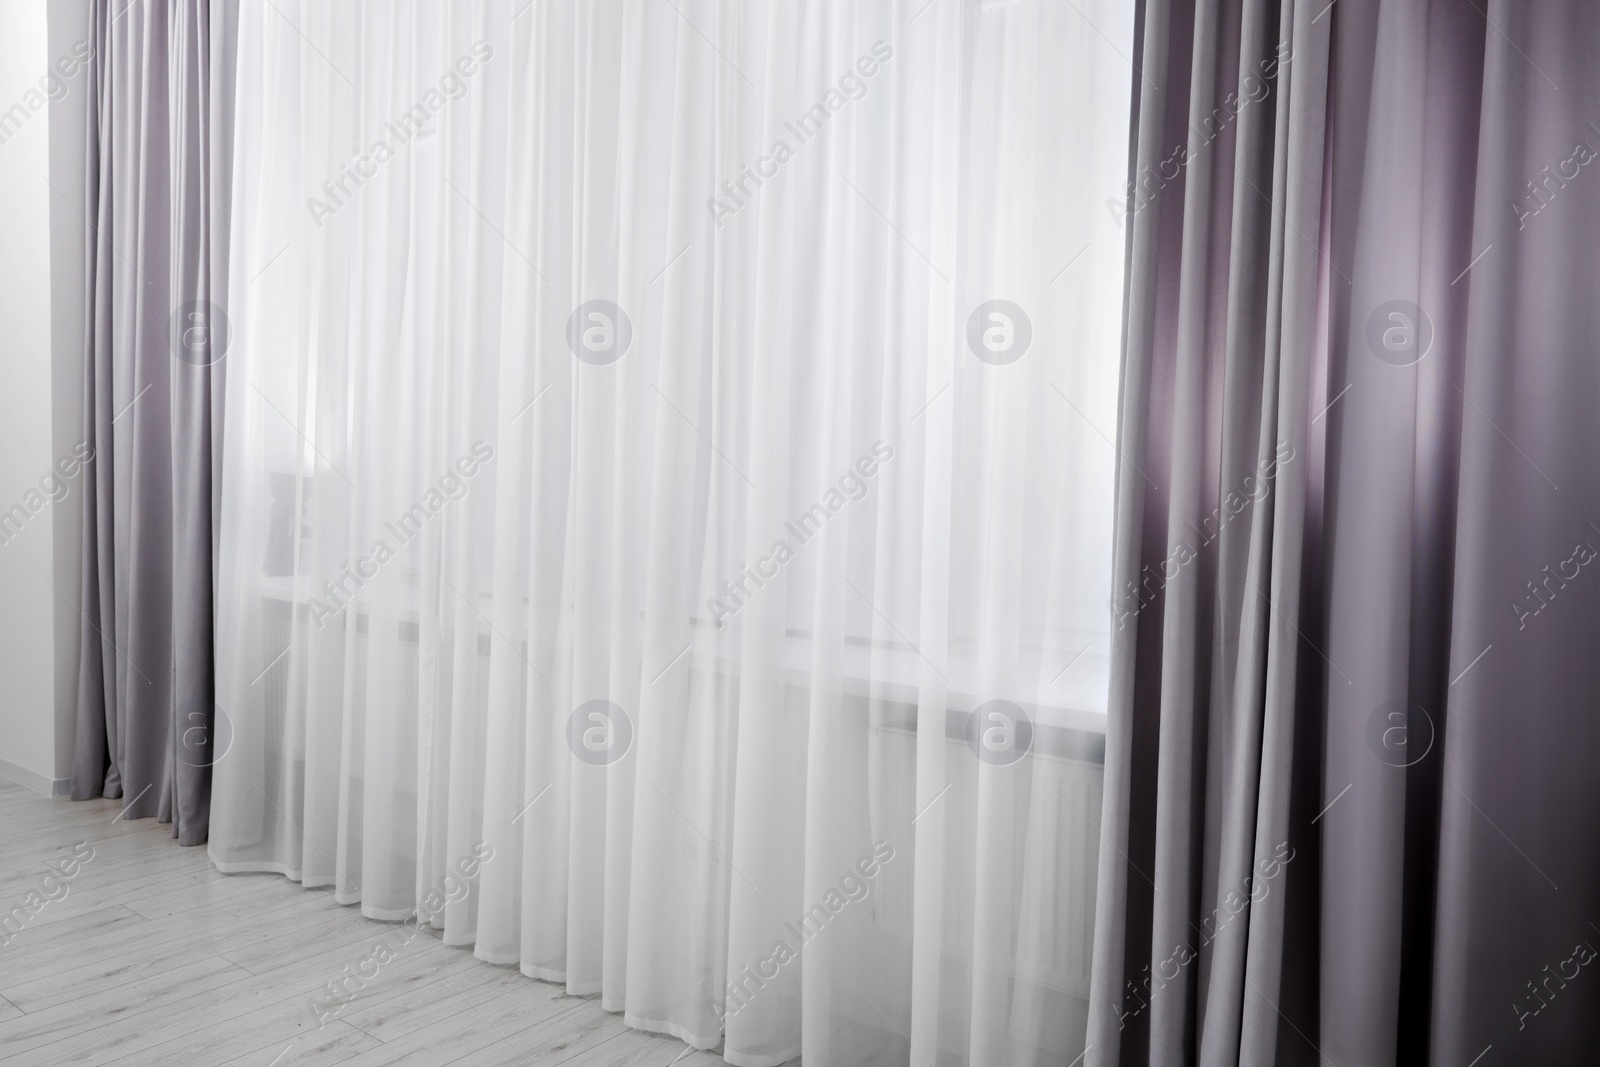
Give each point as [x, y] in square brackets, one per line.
[1351, 653]
[665, 451]
[159, 166]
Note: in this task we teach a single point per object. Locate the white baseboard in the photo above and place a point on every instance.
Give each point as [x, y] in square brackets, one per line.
[58, 787]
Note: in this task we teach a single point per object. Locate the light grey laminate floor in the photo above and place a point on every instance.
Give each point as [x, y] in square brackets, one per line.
[151, 957]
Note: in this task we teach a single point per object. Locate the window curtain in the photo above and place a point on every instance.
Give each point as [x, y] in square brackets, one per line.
[158, 174]
[1349, 786]
[669, 451]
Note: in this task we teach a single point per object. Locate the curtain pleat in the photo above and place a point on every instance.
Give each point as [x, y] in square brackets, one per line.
[159, 163]
[1349, 716]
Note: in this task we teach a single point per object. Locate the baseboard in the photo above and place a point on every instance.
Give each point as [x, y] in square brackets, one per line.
[47, 787]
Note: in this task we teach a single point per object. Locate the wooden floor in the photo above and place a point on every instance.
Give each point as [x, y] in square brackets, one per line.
[153, 957]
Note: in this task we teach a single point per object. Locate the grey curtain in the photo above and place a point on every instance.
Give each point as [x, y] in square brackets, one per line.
[158, 173]
[1351, 807]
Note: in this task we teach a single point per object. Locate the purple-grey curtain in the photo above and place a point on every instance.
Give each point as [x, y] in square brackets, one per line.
[159, 172]
[1350, 800]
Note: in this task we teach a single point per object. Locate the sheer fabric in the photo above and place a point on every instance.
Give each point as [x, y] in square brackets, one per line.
[623, 474]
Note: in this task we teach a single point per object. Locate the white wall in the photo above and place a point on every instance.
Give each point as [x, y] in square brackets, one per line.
[69, 120]
[36, 503]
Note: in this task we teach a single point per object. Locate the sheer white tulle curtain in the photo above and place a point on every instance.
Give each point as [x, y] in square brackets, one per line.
[667, 451]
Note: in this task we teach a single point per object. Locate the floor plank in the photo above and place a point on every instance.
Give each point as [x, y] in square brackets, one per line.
[152, 957]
